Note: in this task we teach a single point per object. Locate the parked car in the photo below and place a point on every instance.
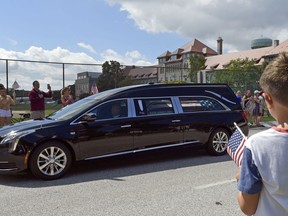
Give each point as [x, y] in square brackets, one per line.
[151, 116]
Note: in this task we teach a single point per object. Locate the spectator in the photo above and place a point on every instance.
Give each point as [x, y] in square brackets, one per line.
[248, 104]
[261, 106]
[66, 97]
[263, 188]
[5, 106]
[37, 100]
[256, 108]
[239, 97]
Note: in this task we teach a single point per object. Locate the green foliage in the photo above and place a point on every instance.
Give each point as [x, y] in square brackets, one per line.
[174, 82]
[111, 77]
[49, 108]
[197, 63]
[240, 74]
[127, 81]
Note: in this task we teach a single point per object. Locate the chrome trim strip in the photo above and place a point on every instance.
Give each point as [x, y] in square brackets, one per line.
[125, 126]
[7, 170]
[3, 162]
[141, 150]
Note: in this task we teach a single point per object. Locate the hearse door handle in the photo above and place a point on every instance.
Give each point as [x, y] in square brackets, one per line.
[125, 126]
[176, 121]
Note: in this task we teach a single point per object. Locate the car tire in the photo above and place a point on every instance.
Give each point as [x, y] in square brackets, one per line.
[218, 141]
[50, 160]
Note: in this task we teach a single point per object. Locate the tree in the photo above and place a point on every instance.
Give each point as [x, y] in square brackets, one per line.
[240, 74]
[127, 81]
[174, 82]
[111, 77]
[197, 63]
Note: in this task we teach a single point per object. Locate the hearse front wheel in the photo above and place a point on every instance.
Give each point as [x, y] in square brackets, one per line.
[50, 160]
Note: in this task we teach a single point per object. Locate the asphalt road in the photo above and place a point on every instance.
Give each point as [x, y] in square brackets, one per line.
[181, 181]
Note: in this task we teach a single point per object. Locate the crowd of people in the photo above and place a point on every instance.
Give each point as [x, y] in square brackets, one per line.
[36, 98]
[253, 106]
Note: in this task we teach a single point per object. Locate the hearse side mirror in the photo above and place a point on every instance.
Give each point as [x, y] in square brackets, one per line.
[88, 117]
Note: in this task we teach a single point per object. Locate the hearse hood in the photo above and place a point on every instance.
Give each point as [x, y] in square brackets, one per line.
[27, 125]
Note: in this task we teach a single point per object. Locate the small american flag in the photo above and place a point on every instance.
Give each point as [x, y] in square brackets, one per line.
[236, 145]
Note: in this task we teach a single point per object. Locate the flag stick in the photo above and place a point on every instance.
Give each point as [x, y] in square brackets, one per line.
[240, 130]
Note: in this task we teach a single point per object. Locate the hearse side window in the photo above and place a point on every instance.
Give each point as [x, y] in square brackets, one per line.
[150, 106]
[199, 104]
[104, 111]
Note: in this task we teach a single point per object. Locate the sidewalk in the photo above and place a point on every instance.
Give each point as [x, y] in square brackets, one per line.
[269, 124]
[265, 124]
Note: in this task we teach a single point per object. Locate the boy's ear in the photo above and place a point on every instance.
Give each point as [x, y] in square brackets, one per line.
[268, 100]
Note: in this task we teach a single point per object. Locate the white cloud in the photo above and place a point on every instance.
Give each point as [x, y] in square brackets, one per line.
[26, 72]
[130, 58]
[236, 21]
[87, 47]
[133, 54]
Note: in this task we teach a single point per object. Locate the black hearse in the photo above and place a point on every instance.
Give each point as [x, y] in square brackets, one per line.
[151, 116]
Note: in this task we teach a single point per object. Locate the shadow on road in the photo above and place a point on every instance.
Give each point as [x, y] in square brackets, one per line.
[119, 167]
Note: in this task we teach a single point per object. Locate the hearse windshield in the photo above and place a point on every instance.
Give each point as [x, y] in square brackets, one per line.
[82, 105]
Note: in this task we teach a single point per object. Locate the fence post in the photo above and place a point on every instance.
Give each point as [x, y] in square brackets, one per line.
[7, 76]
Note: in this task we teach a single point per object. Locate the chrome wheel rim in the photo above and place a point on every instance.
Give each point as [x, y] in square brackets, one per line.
[220, 142]
[52, 161]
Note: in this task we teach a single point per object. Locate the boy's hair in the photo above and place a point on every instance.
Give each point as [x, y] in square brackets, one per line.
[274, 79]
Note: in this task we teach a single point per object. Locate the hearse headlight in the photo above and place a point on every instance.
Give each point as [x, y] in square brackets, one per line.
[13, 138]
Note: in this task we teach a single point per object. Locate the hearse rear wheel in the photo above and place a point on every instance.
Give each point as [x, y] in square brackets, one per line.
[218, 141]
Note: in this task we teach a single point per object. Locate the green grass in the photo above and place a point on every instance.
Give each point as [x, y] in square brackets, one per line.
[49, 108]
[268, 118]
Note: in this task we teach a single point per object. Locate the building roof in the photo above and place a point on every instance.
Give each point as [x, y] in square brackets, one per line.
[145, 72]
[167, 53]
[282, 47]
[177, 51]
[220, 61]
[194, 46]
[197, 47]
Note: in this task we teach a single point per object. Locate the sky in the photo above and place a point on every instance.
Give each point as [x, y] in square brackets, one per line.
[132, 32]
